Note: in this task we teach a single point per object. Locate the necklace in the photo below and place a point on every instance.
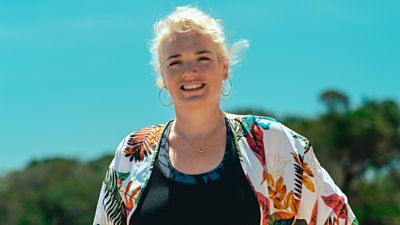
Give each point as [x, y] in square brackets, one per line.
[202, 149]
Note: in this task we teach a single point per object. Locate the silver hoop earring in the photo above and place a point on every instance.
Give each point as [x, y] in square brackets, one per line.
[223, 92]
[159, 97]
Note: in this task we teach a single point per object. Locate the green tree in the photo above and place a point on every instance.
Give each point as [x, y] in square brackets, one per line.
[335, 101]
[52, 192]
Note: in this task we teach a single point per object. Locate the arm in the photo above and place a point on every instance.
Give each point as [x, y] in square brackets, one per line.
[110, 206]
[322, 201]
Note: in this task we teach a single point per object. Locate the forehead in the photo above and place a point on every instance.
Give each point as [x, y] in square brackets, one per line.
[187, 42]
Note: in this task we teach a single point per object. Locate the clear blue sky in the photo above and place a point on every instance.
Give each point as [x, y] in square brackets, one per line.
[75, 75]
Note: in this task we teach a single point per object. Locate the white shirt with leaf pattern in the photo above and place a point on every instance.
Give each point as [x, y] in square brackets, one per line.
[279, 164]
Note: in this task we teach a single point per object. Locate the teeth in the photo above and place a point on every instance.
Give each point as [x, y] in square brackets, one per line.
[191, 86]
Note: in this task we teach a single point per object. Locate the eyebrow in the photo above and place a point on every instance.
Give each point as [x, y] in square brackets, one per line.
[197, 53]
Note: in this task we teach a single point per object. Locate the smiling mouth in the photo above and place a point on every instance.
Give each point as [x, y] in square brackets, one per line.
[191, 87]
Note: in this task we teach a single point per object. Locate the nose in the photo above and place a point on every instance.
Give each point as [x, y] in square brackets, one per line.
[189, 69]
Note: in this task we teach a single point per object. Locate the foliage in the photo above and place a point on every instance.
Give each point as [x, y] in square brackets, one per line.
[53, 191]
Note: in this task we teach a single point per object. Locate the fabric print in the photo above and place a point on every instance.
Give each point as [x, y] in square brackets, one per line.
[263, 202]
[259, 121]
[303, 174]
[277, 164]
[256, 143]
[313, 220]
[250, 121]
[129, 199]
[243, 125]
[204, 178]
[307, 145]
[264, 205]
[337, 204]
[121, 177]
[281, 199]
[112, 201]
[275, 220]
[142, 142]
[332, 221]
[238, 128]
[252, 130]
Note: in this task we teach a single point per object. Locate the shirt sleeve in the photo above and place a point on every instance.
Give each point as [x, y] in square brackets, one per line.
[322, 201]
[110, 208]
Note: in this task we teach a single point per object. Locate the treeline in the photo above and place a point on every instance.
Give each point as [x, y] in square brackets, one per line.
[52, 192]
[359, 146]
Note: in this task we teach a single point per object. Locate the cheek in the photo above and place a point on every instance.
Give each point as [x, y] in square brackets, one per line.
[169, 74]
[210, 69]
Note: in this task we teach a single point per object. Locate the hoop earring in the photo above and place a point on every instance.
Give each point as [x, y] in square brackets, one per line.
[223, 93]
[159, 97]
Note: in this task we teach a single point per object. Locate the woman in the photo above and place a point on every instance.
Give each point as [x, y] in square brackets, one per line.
[207, 166]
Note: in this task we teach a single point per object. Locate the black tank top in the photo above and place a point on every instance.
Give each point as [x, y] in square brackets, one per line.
[220, 196]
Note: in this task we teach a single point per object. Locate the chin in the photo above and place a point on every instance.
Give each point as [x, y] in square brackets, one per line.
[199, 103]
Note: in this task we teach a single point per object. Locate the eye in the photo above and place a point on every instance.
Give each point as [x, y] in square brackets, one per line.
[176, 62]
[203, 58]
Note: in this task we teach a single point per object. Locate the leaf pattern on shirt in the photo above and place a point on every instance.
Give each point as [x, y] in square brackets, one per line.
[264, 205]
[112, 201]
[313, 220]
[281, 218]
[282, 199]
[130, 199]
[142, 142]
[337, 204]
[307, 144]
[121, 177]
[238, 128]
[332, 221]
[118, 207]
[256, 143]
[303, 174]
[252, 128]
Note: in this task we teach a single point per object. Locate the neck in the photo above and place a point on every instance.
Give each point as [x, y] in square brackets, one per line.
[198, 124]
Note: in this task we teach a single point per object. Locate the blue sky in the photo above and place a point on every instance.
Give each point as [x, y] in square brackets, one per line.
[75, 75]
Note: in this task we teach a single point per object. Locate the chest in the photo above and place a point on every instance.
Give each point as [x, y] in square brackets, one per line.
[197, 156]
[195, 162]
[225, 200]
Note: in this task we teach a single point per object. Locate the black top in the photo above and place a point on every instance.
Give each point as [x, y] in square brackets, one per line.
[220, 196]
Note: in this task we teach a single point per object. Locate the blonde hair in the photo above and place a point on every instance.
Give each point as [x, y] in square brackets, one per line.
[190, 18]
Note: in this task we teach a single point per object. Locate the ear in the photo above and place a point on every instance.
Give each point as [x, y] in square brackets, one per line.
[161, 84]
[225, 70]
[161, 80]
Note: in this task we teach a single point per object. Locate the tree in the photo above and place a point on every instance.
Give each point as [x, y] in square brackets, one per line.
[53, 192]
[335, 101]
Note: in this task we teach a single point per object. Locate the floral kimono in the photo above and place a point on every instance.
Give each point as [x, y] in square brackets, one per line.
[279, 164]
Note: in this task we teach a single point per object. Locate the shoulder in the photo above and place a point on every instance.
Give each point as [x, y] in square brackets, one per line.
[139, 144]
[249, 121]
[276, 135]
